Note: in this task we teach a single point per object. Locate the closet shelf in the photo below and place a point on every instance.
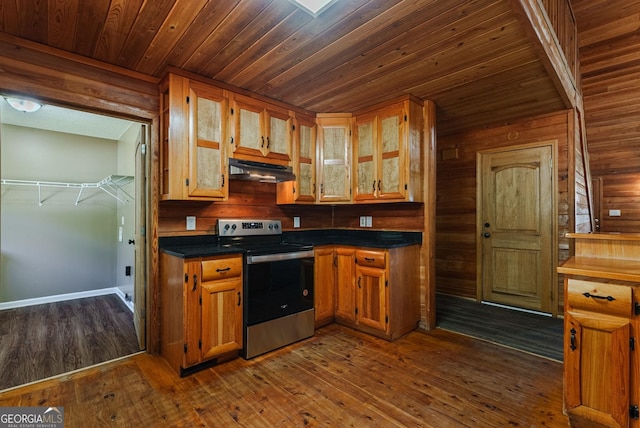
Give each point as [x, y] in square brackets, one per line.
[111, 185]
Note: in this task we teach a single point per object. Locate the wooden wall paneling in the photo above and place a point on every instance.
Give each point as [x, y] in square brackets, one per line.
[610, 64]
[456, 254]
[57, 77]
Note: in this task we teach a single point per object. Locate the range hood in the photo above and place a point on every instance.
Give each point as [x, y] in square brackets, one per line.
[258, 171]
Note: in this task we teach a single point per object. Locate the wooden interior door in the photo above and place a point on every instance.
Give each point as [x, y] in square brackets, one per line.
[140, 278]
[516, 227]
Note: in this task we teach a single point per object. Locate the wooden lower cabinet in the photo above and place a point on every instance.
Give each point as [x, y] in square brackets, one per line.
[376, 290]
[201, 310]
[601, 330]
[323, 285]
[601, 368]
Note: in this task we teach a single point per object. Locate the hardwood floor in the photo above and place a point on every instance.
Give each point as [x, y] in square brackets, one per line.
[538, 334]
[339, 377]
[40, 341]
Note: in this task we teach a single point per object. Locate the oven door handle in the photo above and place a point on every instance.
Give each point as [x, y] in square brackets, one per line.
[252, 260]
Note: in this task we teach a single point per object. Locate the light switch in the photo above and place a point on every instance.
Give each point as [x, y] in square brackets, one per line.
[363, 221]
[369, 221]
[296, 222]
[191, 222]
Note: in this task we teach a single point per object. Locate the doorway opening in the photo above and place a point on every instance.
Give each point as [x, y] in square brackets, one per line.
[73, 217]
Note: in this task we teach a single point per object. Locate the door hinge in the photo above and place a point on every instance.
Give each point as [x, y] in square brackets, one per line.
[405, 117]
[632, 344]
[386, 282]
[186, 182]
[636, 308]
[143, 149]
[200, 344]
[185, 348]
[634, 412]
[386, 319]
[356, 311]
[406, 186]
[200, 300]
[187, 100]
[186, 278]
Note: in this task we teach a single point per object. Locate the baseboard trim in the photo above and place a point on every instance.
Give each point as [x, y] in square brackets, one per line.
[67, 296]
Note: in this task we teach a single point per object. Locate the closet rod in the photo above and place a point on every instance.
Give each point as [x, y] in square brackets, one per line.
[111, 185]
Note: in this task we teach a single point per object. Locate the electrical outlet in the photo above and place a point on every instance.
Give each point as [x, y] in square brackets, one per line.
[369, 221]
[191, 222]
[296, 222]
[614, 213]
[363, 221]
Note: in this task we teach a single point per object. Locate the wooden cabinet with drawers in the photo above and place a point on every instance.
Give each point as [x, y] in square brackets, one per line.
[201, 310]
[602, 321]
[376, 290]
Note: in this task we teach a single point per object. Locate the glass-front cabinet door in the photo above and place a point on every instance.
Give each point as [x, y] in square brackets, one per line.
[207, 132]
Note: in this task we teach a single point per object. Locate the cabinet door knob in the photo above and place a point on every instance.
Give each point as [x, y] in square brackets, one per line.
[487, 235]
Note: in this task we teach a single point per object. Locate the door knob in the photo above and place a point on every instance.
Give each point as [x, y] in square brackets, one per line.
[131, 241]
[487, 234]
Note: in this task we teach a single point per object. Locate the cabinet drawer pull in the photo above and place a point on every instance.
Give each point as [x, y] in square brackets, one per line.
[227, 269]
[239, 298]
[595, 296]
[195, 282]
[573, 339]
[369, 259]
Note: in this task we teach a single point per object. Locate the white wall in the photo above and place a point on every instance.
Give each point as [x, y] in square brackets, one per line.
[58, 247]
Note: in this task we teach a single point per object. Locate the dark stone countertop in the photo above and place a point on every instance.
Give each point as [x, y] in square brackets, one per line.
[208, 245]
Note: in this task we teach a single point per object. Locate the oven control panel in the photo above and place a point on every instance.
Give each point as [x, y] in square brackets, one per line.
[248, 227]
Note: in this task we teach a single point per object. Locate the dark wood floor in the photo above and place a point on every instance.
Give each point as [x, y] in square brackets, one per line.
[339, 378]
[40, 341]
[538, 334]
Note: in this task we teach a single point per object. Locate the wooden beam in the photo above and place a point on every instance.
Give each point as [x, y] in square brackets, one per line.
[536, 24]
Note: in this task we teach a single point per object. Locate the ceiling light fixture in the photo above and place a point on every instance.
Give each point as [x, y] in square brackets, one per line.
[26, 106]
[314, 7]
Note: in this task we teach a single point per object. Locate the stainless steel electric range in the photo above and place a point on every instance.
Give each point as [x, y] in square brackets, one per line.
[278, 284]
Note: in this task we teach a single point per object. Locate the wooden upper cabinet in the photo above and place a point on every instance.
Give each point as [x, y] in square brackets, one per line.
[193, 156]
[334, 157]
[260, 131]
[387, 153]
[303, 189]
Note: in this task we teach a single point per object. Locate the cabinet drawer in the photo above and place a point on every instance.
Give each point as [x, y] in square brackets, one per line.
[373, 258]
[226, 267]
[600, 297]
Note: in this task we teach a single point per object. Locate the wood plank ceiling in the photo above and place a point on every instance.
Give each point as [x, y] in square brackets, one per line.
[472, 58]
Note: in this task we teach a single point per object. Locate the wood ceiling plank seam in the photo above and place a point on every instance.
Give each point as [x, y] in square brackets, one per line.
[90, 20]
[422, 39]
[169, 40]
[262, 50]
[32, 20]
[403, 76]
[145, 27]
[248, 37]
[118, 24]
[63, 19]
[226, 30]
[339, 37]
[292, 50]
